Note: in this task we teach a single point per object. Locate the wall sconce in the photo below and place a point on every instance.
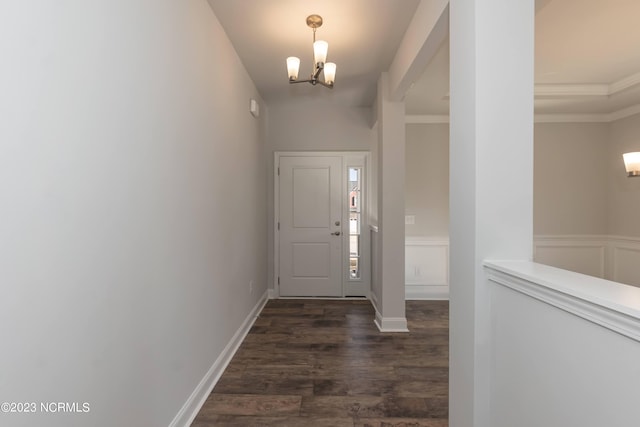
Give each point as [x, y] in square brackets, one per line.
[632, 163]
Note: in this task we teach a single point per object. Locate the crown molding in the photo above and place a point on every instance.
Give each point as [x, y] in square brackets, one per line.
[624, 113]
[571, 118]
[578, 90]
[541, 118]
[588, 118]
[570, 90]
[625, 83]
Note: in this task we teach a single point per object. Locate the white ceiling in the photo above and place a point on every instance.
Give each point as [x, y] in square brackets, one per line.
[587, 62]
[363, 36]
[587, 57]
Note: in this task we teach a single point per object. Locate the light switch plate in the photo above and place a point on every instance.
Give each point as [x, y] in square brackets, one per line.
[410, 219]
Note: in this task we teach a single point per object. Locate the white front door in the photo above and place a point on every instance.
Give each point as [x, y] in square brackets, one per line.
[310, 220]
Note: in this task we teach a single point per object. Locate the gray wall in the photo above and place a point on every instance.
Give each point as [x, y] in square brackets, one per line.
[427, 179]
[580, 186]
[570, 178]
[125, 252]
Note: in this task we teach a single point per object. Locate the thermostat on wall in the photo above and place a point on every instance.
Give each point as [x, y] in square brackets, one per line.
[254, 108]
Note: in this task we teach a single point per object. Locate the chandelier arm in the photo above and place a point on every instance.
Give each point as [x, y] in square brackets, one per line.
[330, 86]
[317, 69]
[300, 81]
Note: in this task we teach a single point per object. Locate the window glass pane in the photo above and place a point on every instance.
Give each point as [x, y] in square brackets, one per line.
[355, 219]
[354, 269]
[354, 246]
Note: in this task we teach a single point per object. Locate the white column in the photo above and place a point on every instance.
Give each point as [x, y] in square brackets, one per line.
[390, 311]
[491, 178]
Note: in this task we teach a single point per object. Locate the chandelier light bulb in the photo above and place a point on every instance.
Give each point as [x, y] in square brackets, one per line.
[293, 67]
[320, 49]
[329, 73]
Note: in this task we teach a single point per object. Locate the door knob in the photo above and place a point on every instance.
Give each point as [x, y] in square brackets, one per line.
[336, 233]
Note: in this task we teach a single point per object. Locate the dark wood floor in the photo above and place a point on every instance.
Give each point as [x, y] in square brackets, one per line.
[324, 363]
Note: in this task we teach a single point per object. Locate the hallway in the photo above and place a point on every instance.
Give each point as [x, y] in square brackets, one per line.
[324, 363]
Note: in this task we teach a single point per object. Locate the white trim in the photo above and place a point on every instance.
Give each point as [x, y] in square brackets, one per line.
[544, 118]
[347, 160]
[595, 242]
[276, 219]
[194, 403]
[591, 90]
[571, 118]
[609, 250]
[571, 90]
[617, 250]
[417, 288]
[374, 301]
[624, 113]
[624, 83]
[618, 245]
[358, 287]
[611, 305]
[388, 324]
[624, 239]
[414, 292]
[391, 324]
[570, 237]
[589, 118]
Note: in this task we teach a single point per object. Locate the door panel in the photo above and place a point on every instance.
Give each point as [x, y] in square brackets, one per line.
[311, 205]
[311, 197]
[311, 260]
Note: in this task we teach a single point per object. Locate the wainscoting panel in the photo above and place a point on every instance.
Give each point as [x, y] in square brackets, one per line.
[625, 265]
[581, 254]
[426, 268]
[615, 258]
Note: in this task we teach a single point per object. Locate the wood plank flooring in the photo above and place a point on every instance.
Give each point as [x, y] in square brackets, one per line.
[323, 363]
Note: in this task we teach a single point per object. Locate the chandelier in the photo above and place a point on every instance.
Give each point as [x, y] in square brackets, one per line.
[320, 63]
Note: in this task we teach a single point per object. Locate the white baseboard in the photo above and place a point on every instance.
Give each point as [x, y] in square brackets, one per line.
[391, 324]
[426, 292]
[192, 406]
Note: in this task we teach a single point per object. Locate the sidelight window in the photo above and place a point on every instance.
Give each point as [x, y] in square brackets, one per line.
[354, 192]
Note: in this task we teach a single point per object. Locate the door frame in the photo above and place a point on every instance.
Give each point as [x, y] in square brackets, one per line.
[361, 287]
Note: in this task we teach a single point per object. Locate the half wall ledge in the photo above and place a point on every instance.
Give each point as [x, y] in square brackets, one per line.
[612, 305]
